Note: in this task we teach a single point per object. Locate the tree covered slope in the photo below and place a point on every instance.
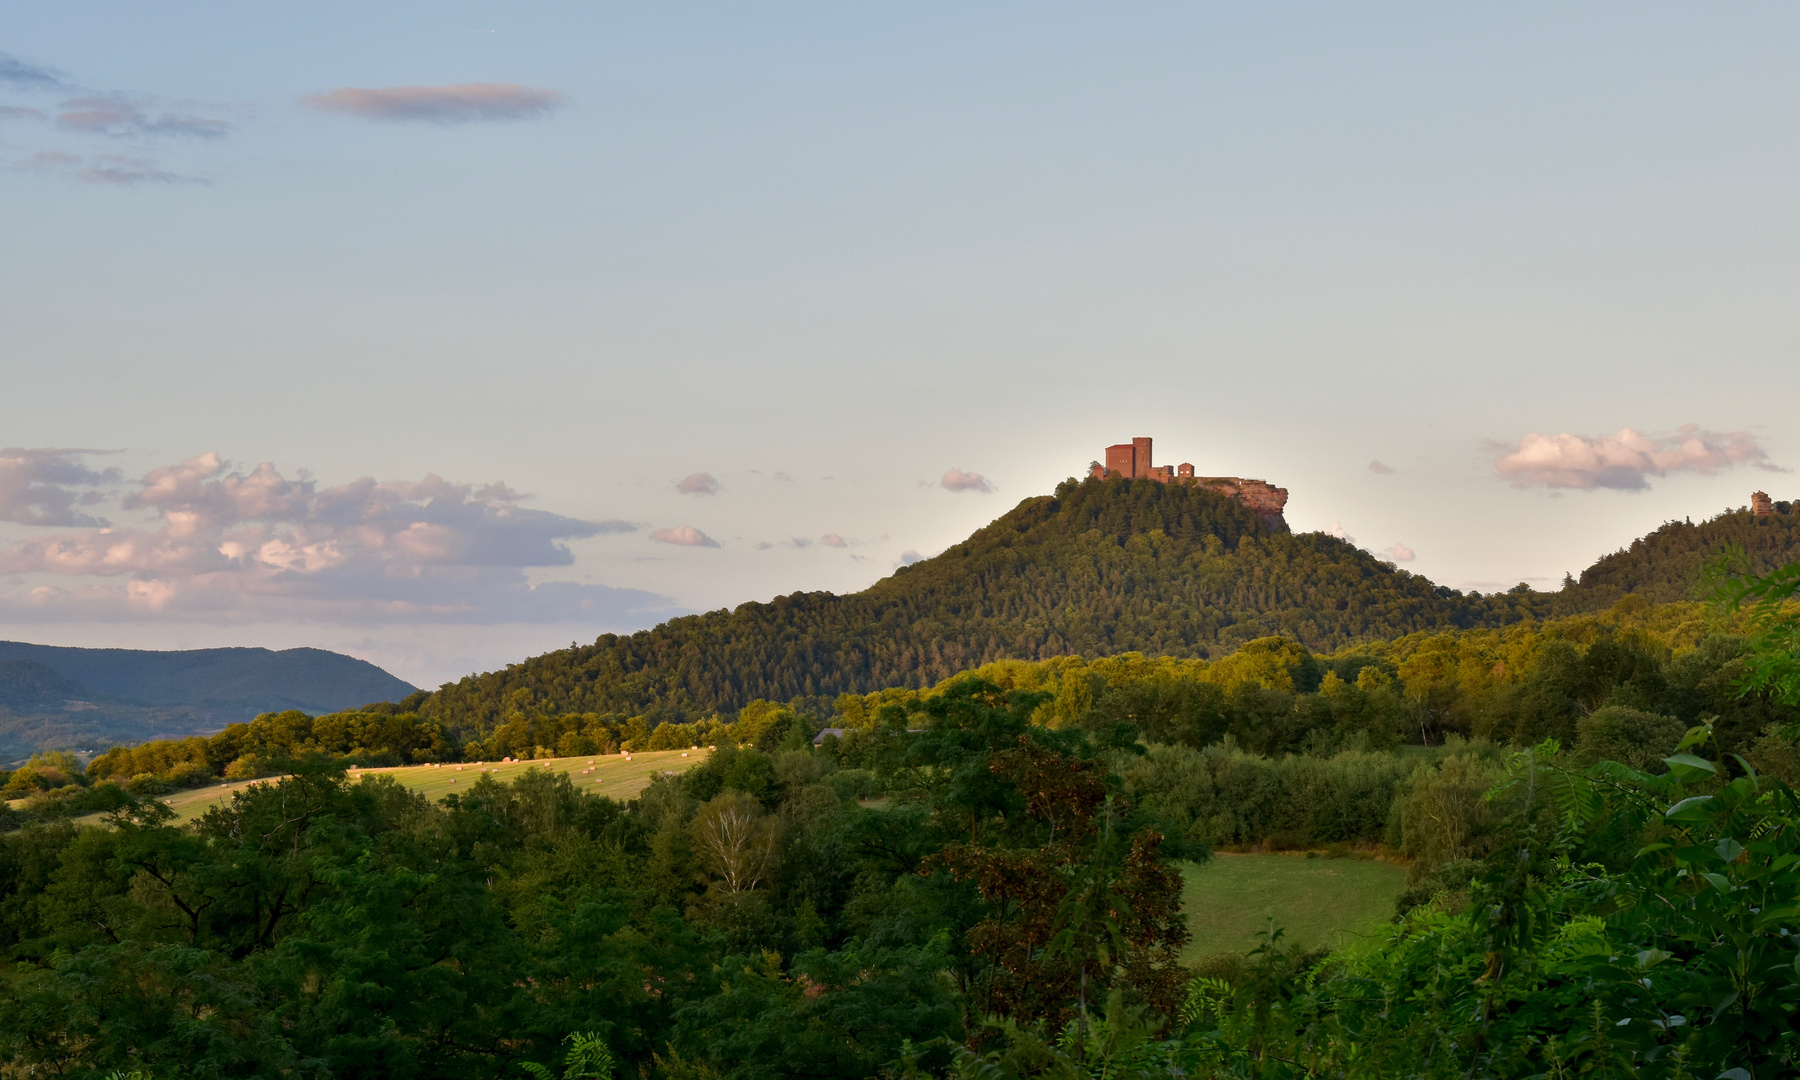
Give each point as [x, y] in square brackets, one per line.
[1101, 567]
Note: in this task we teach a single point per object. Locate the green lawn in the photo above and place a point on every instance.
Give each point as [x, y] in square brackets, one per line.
[613, 775]
[1229, 899]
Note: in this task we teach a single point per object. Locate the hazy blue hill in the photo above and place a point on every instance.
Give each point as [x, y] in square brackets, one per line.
[27, 686]
[239, 682]
[129, 695]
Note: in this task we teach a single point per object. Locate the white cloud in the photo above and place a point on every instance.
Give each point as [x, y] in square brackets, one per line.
[1625, 461]
[1397, 552]
[698, 484]
[232, 545]
[833, 540]
[957, 480]
[909, 556]
[458, 104]
[1337, 529]
[683, 536]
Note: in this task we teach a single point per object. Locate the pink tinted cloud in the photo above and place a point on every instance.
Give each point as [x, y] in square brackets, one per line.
[459, 104]
[683, 536]
[236, 544]
[45, 487]
[1397, 552]
[958, 480]
[698, 484]
[1626, 460]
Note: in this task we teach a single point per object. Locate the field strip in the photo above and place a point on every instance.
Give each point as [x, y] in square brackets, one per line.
[617, 776]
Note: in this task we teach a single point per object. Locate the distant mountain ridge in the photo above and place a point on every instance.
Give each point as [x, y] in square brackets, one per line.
[58, 696]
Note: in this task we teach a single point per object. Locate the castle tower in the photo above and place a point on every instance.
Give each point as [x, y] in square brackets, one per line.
[1140, 458]
[1760, 504]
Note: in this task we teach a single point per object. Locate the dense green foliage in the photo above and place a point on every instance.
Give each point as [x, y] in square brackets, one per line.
[1007, 906]
[748, 919]
[1101, 568]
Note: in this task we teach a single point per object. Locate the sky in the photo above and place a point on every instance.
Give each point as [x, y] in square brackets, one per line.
[446, 334]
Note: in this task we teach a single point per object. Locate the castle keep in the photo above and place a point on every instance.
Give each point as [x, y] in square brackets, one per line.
[1132, 461]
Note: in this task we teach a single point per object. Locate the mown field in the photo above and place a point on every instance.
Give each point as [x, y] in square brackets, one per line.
[616, 776]
[1230, 898]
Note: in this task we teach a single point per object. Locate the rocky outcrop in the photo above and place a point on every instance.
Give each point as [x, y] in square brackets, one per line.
[1259, 495]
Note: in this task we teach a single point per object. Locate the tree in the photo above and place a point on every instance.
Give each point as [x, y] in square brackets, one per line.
[734, 837]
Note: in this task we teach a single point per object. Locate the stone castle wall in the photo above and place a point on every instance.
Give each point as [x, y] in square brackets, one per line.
[1132, 460]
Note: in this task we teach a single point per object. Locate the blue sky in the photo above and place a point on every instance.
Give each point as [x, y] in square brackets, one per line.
[825, 254]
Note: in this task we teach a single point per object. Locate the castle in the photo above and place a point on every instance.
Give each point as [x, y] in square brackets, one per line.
[1132, 461]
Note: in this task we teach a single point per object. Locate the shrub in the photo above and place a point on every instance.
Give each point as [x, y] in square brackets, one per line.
[1628, 736]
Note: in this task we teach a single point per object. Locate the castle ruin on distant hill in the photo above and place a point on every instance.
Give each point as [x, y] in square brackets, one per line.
[1132, 460]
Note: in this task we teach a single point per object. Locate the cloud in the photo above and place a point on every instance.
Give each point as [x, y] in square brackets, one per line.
[135, 118]
[16, 112]
[684, 536]
[698, 484]
[1337, 529]
[957, 480]
[762, 545]
[1380, 469]
[37, 487]
[231, 544]
[17, 73]
[440, 104]
[834, 540]
[1397, 552]
[116, 169]
[909, 556]
[1625, 461]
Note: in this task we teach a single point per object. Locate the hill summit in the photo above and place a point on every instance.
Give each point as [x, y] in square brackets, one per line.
[1102, 566]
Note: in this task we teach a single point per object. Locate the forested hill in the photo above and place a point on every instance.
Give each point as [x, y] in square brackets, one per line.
[1670, 563]
[1101, 567]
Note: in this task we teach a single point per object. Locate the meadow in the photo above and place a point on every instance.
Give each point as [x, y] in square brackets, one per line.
[617, 776]
[1230, 899]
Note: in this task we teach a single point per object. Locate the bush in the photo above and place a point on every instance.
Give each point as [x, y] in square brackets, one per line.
[1628, 736]
[1445, 817]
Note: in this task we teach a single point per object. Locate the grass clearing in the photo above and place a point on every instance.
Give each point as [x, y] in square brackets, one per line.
[613, 775]
[1229, 899]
